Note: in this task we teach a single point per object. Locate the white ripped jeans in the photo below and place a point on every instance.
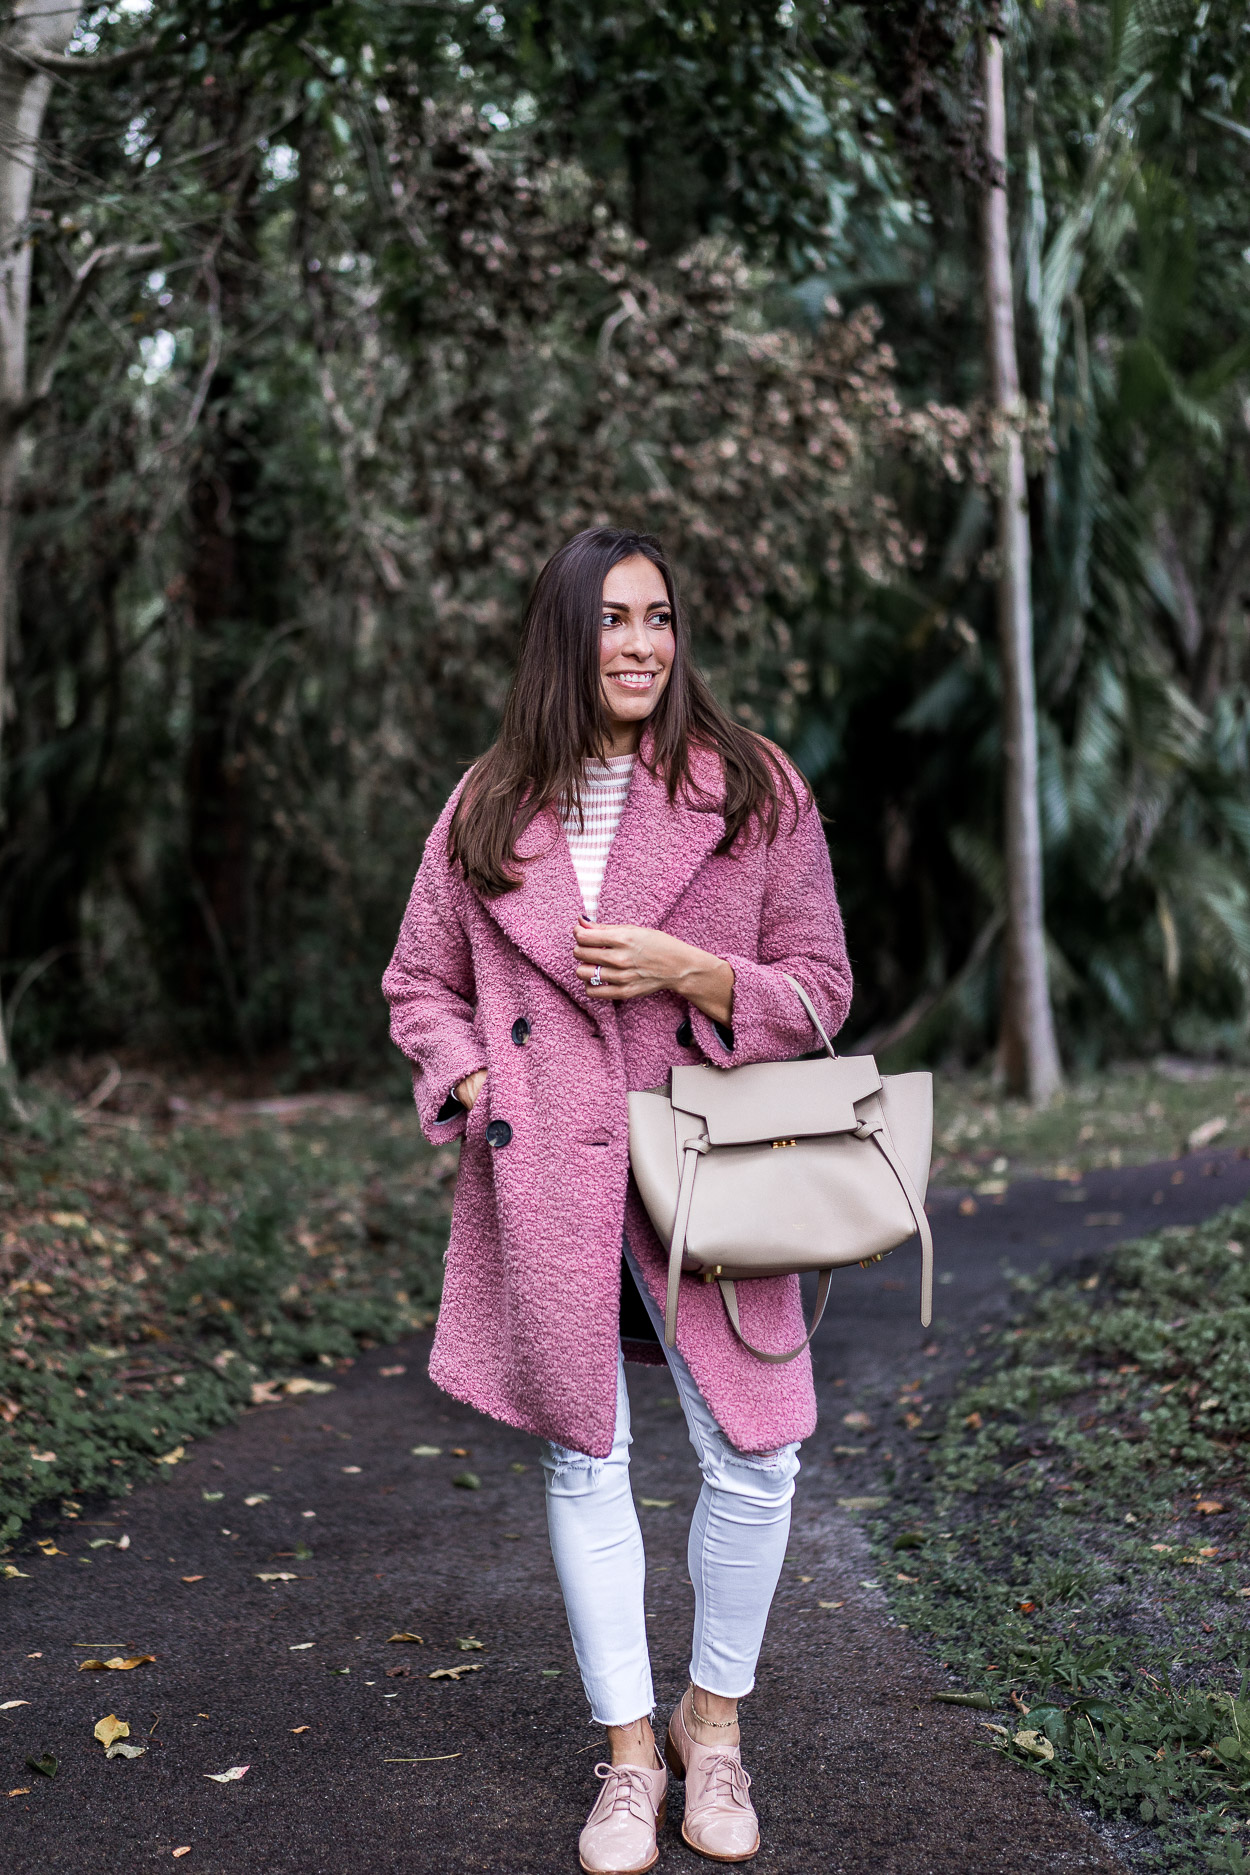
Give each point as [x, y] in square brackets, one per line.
[738, 1537]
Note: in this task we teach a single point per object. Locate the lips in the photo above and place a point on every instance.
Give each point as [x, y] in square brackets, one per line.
[633, 680]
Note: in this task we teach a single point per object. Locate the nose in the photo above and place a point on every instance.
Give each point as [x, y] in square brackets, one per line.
[636, 642]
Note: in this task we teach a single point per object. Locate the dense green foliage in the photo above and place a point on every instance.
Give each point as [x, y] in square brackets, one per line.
[439, 284]
[1074, 1541]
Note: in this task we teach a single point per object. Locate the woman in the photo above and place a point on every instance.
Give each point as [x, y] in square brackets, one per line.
[618, 886]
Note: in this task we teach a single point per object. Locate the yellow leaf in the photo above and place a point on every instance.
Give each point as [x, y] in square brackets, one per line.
[110, 1728]
[278, 1575]
[300, 1385]
[1036, 1744]
[11, 1573]
[48, 1547]
[43, 1458]
[193, 1578]
[301, 1728]
[833, 1604]
[454, 1673]
[23, 1790]
[185, 1850]
[408, 1637]
[231, 1776]
[172, 1458]
[657, 1503]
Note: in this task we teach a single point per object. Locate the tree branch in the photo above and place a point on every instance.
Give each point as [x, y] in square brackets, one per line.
[18, 415]
[63, 65]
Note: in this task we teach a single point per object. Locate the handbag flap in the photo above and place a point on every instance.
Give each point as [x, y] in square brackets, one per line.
[776, 1100]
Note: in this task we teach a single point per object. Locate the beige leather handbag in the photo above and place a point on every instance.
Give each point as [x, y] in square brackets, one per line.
[782, 1167]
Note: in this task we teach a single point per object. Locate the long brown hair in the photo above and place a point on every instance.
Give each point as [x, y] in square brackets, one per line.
[555, 720]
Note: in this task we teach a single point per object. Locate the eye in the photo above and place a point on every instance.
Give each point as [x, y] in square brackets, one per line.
[661, 621]
[610, 621]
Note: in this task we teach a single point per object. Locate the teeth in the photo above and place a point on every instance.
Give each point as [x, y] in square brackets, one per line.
[636, 680]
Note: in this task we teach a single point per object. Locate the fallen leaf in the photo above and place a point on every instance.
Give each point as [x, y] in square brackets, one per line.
[48, 1546]
[351, 1471]
[8, 1704]
[454, 1673]
[123, 1542]
[12, 1573]
[297, 1647]
[264, 1392]
[468, 1481]
[1036, 1744]
[172, 1458]
[850, 1451]
[980, 1702]
[427, 1451]
[550, 1673]
[397, 1673]
[1203, 1135]
[231, 1776]
[193, 1578]
[43, 1458]
[118, 1663]
[277, 1575]
[900, 1577]
[212, 1497]
[257, 1497]
[1001, 1730]
[469, 1644]
[833, 1604]
[338, 1669]
[805, 1578]
[185, 1850]
[100, 1542]
[657, 1503]
[45, 1764]
[110, 1728]
[974, 1422]
[405, 1636]
[861, 1503]
[23, 1790]
[967, 1207]
[388, 1373]
[119, 1749]
[1208, 1507]
[1026, 1608]
[858, 1422]
[301, 1728]
[300, 1385]
[460, 1451]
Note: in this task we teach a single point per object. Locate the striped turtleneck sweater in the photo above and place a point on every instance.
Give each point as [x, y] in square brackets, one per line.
[605, 786]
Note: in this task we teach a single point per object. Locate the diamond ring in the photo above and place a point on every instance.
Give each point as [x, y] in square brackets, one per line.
[596, 977]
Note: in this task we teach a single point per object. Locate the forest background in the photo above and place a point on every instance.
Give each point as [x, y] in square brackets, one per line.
[345, 316]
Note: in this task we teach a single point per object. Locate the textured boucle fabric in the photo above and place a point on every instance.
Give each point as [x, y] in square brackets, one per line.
[528, 1329]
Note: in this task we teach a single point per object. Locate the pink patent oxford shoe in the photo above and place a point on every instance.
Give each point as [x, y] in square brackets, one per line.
[619, 1837]
[720, 1821]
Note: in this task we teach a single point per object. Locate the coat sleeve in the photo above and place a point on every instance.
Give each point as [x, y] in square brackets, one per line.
[801, 936]
[429, 984]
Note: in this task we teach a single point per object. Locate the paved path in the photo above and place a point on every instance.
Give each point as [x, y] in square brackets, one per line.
[856, 1773]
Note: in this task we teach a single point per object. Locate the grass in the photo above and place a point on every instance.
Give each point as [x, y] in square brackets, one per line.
[1127, 1116]
[152, 1275]
[1073, 1540]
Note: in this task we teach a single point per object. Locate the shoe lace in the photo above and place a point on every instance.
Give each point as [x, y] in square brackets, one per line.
[727, 1779]
[624, 1786]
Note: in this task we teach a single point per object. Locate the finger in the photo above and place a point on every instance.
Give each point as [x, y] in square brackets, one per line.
[606, 974]
[599, 954]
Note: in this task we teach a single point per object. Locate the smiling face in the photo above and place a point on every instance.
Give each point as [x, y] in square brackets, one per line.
[636, 648]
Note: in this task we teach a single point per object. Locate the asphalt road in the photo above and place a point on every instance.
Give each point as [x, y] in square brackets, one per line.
[360, 1763]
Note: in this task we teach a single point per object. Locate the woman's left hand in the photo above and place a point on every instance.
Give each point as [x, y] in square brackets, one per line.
[634, 961]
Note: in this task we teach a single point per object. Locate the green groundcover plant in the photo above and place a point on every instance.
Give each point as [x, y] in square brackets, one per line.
[152, 1277]
[1073, 1541]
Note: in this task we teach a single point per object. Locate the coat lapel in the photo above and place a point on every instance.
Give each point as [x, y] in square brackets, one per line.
[540, 915]
[659, 845]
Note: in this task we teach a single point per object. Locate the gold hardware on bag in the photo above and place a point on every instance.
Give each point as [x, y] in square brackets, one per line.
[709, 1276]
[784, 1142]
[867, 1262]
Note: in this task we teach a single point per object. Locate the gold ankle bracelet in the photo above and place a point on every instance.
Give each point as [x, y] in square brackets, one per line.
[718, 1725]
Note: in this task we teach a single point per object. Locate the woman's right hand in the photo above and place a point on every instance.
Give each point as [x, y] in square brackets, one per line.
[467, 1091]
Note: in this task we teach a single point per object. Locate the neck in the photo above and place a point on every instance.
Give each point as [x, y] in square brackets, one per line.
[621, 739]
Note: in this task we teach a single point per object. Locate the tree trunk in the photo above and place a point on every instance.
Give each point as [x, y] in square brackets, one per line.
[1030, 1054]
[24, 90]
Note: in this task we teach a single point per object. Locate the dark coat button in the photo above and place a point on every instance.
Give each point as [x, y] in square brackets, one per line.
[498, 1133]
[520, 1031]
[685, 1035]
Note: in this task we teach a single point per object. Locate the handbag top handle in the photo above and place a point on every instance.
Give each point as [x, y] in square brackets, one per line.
[817, 1024]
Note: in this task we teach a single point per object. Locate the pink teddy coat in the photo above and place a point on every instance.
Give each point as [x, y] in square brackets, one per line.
[528, 1329]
